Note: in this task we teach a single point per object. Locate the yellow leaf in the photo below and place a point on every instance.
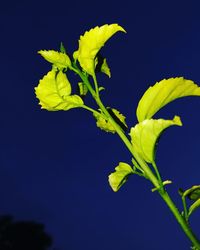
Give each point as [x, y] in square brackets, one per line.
[54, 92]
[105, 69]
[59, 59]
[120, 176]
[145, 134]
[162, 93]
[91, 42]
[105, 124]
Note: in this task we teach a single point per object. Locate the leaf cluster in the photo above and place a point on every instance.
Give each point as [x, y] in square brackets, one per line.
[55, 93]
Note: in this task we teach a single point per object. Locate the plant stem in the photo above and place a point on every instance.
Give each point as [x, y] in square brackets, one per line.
[136, 158]
[96, 85]
[91, 110]
[184, 225]
[149, 174]
[185, 212]
[84, 78]
[138, 161]
[158, 174]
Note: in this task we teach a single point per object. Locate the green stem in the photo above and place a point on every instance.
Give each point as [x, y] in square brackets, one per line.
[84, 78]
[184, 225]
[92, 110]
[136, 158]
[158, 175]
[96, 85]
[185, 208]
[156, 181]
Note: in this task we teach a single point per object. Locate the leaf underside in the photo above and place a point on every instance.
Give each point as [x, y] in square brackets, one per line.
[120, 176]
[145, 134]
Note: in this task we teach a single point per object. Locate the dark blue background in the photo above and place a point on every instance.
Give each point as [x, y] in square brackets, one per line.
[54, 165]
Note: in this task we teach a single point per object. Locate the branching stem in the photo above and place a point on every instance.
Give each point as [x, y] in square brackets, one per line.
[141, 164]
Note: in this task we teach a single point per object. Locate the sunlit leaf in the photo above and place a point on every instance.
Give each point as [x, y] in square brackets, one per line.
[58, 59]
[120, 176]
[193, 207]
[146, 133]
[162, 93]
[54, 92]
[90, 44]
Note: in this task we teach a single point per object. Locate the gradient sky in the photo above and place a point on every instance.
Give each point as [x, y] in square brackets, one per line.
[54, 165]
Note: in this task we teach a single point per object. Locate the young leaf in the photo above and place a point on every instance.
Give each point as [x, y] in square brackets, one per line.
[120, 176]
[54, 92]
[192, 193]
[82, 89]
[105, 69]
[162, 93]
[195, 194]
[193, 207]
[62, 48]
[90, 44]
[58, 59]
[145, 135]
[101, 88]
[101, 65]
[105, 124]
[118, 117]
[164, 183]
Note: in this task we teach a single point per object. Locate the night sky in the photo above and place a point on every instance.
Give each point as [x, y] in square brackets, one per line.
[55, 165]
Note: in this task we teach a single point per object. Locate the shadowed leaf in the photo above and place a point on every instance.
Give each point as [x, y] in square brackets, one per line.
[120, 176]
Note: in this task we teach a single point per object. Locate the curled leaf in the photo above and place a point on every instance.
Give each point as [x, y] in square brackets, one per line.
[101, 88]
[120, 176]
[193, 207]
[146, 133]
[104, 123]
[105, 69]
[82, 89]
[58, 59]
[162, 93]
[101, 65]
[192, 193]
[118, 117]
[195, 194]
[164, 183]
[90, 44]
[54, 92]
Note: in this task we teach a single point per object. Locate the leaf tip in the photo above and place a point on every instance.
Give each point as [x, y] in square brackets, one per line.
[177, 121]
